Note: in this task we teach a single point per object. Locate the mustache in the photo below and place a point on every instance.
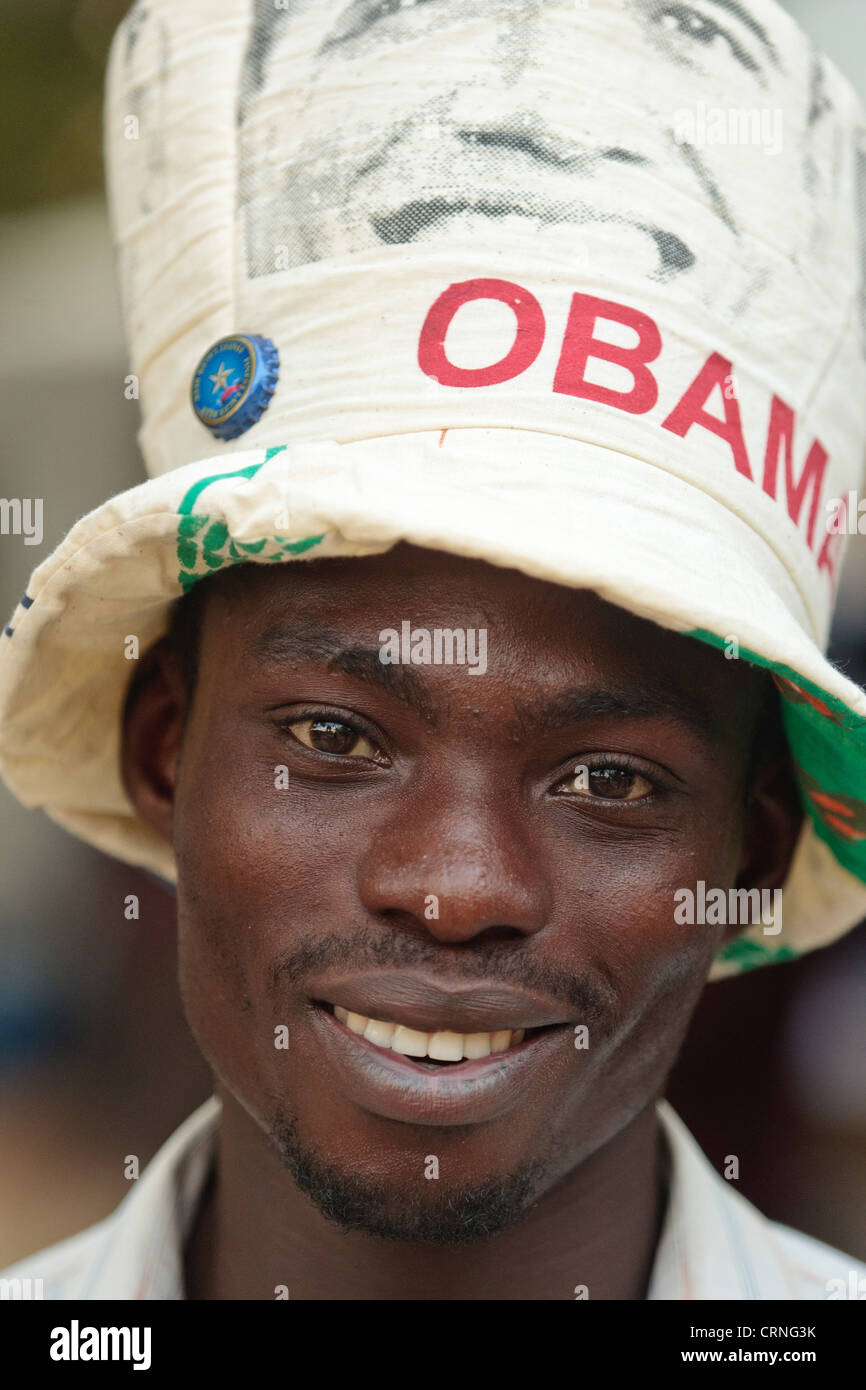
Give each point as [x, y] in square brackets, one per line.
[592, 999]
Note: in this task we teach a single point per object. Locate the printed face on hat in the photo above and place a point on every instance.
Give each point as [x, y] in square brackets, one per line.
[596, 126]
[410, 843]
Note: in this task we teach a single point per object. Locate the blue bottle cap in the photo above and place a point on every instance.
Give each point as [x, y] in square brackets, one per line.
[233, 383]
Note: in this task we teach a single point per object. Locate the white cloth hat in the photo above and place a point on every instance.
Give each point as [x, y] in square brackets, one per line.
[574, 288]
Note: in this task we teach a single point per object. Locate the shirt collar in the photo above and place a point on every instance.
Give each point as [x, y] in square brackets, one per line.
[142, 1254]
[714, 1244]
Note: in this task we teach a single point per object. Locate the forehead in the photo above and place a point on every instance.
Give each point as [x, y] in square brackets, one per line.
[542, 639]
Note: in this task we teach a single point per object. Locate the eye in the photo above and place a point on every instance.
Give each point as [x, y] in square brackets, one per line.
[326, 735]
[607, 782]
[686, 20]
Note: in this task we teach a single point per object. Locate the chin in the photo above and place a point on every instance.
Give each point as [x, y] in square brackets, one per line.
[424, 1212]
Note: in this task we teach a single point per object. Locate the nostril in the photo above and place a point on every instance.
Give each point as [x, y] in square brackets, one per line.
[498, 934]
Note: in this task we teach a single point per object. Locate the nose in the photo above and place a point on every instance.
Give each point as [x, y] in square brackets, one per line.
[517, 40]
[461, 863]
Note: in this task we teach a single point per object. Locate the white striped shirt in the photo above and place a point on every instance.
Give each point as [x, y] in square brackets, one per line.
[713, 1244]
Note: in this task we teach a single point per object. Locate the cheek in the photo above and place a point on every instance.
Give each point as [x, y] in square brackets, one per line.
[617, 918]
[255, 845]
[259, 865]
[624, 888]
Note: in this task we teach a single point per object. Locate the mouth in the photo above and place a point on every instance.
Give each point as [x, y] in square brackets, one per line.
[415, 1069]
[442, 1050]
[431, 1049]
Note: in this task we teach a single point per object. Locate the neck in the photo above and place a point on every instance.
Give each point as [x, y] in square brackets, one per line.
[598, 1227]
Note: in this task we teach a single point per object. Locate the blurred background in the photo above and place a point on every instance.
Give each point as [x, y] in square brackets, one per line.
[95, 1058]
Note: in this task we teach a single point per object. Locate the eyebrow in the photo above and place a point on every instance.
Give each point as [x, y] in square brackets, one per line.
[281, 646]
[742, 14]
[580, 706]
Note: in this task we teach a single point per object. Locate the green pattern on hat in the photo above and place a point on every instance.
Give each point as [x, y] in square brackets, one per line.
[828, 747]
[205, 545]
[746, 954]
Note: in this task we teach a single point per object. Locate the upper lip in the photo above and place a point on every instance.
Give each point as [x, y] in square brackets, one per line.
[541, 147]
[416, 1001]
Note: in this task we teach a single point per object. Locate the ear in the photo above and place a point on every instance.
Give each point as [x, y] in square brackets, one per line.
[771, 828]
[152, 724]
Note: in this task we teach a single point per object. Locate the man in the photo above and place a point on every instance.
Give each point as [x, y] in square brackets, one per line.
[436, 864]
[502, 721]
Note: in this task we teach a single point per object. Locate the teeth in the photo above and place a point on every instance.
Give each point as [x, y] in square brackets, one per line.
[446, 1047]
[379, 1033]
[441, 1047]
[410, 1043]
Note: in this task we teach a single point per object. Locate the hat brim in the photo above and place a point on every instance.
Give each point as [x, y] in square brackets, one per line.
[559, 510]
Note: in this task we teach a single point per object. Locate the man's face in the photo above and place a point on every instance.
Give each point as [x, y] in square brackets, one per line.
[374, 122]
[447, 851]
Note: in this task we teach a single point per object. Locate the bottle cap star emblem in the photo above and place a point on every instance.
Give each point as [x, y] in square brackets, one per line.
[220, 377]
